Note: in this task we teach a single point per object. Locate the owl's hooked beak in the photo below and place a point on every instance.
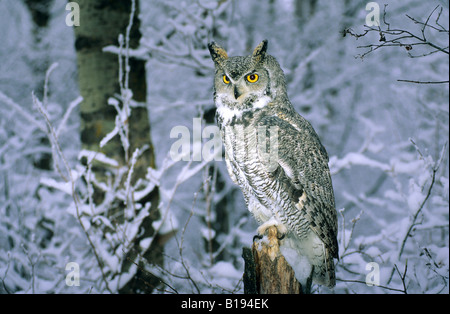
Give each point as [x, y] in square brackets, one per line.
[237, 92]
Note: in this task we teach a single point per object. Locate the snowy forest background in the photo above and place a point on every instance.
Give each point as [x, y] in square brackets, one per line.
[387, 141]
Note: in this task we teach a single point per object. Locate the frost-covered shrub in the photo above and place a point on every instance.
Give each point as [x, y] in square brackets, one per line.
[387, 141]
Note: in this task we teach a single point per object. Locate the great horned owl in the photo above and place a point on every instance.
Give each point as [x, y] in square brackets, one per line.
[277, 159]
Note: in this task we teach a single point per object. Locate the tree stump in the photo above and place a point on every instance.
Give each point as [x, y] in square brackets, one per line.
[266, 270]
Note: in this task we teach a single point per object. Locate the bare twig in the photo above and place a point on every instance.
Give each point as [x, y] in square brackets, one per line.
[363, 282]
[422, 204]
[413, 223]
[6, 273]
[353, 221]
[403, 276]
[33, 265]
[424, 25]
[422, 82]
[209, 188]
[403, 38]
[16, 107]
[384, 18]
[181, 248]
[437, 21]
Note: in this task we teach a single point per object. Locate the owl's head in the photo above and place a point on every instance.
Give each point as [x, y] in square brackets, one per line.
[246, 82]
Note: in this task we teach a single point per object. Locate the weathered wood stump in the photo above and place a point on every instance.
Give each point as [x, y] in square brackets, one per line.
[266, 270]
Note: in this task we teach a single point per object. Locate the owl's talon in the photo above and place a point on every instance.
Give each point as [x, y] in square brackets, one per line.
[257, 237]
[281, 237]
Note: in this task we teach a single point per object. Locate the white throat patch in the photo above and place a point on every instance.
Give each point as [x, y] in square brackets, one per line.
[227, 113]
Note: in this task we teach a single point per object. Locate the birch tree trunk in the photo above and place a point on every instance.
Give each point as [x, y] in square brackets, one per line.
[101, 22]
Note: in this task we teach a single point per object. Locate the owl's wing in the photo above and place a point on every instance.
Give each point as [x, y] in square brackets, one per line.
[300, 163]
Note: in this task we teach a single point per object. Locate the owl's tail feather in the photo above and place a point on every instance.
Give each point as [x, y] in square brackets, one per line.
[324, 272]
[311, 260]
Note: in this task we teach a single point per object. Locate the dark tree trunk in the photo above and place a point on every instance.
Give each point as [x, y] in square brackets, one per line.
[101, 22]
[39, 62]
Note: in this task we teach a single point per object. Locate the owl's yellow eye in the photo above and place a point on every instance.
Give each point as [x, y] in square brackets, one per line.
[226, 80]
[252, 78]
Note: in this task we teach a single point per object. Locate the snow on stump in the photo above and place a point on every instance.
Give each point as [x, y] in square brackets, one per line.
[266, 270]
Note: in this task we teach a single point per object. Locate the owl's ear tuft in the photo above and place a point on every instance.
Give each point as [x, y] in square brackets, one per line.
[218, 54]
[260, 51]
